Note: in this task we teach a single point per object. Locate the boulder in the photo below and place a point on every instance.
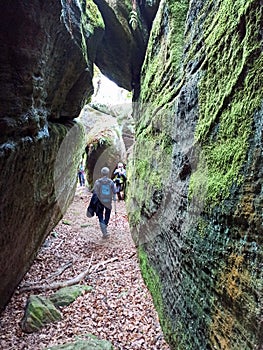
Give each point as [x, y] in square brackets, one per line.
[39, 312]
[121, 44]
[123, 113]
[65, 296]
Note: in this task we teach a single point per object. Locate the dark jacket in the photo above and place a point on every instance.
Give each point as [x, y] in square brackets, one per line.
[93, 205]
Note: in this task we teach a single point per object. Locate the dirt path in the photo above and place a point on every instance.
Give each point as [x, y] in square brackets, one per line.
[118, 309]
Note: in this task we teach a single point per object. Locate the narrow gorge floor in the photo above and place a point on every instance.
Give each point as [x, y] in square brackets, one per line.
[118, 309]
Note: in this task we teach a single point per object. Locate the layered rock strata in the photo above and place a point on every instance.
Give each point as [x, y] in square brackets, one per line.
[196, 177]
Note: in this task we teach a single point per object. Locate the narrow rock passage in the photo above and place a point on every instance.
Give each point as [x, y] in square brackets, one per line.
[118, 309]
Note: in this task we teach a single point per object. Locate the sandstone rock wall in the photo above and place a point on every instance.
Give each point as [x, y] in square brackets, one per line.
[122, 51]
[45, 77]
[105, 145]
[195, 201]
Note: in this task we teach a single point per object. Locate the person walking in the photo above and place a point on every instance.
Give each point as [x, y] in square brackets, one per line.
[81, 175]
[120, 180]
[105, 190]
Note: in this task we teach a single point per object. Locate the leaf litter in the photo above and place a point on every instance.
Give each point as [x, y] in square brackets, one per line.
[118, 309]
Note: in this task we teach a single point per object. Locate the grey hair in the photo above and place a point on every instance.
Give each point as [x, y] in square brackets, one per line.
[105, 171]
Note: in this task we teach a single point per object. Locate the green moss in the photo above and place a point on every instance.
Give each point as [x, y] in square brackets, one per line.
[91, 19]
[202, 227]
[58, 130]
[154, 143]
[67, 295]
[94, 18]
[159, 83]
[154, 285]
[85, 341]
[161, 68]
[230, 92]
[150, 170]
[39, 312]
[98, 142]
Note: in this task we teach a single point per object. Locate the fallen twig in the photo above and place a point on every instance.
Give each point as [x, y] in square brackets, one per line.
[50, 278]
[59, 271]
[70, 282]
[102, 264]
[57, 285]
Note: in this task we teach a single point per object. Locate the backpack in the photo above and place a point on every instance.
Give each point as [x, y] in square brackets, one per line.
[105, 194]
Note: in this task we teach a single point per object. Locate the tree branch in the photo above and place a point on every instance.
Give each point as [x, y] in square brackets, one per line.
[67, 283]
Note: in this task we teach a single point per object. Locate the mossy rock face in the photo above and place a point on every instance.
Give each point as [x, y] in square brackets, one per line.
[67, 295]
[229, 95]
[92, 343]
[150, 167]
[195, 192]
[39, 312]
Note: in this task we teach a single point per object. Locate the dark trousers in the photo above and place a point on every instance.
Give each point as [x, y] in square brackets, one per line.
[81, 179]
[103, 214]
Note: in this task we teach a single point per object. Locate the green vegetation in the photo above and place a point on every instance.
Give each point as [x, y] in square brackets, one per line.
[161, 70]
[93, 15]
[98, 141]
[159, 83]
[230, 92]
[154, 285]
[151, 168]
[133, 20]
[227, 58]
[91, 19]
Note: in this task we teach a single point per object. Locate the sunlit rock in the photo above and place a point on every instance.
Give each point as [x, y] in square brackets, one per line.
[105, 145]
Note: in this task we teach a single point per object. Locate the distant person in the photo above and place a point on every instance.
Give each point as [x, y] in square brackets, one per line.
[119, 178]
[98, 88]
[105, 190]
[81, 175]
